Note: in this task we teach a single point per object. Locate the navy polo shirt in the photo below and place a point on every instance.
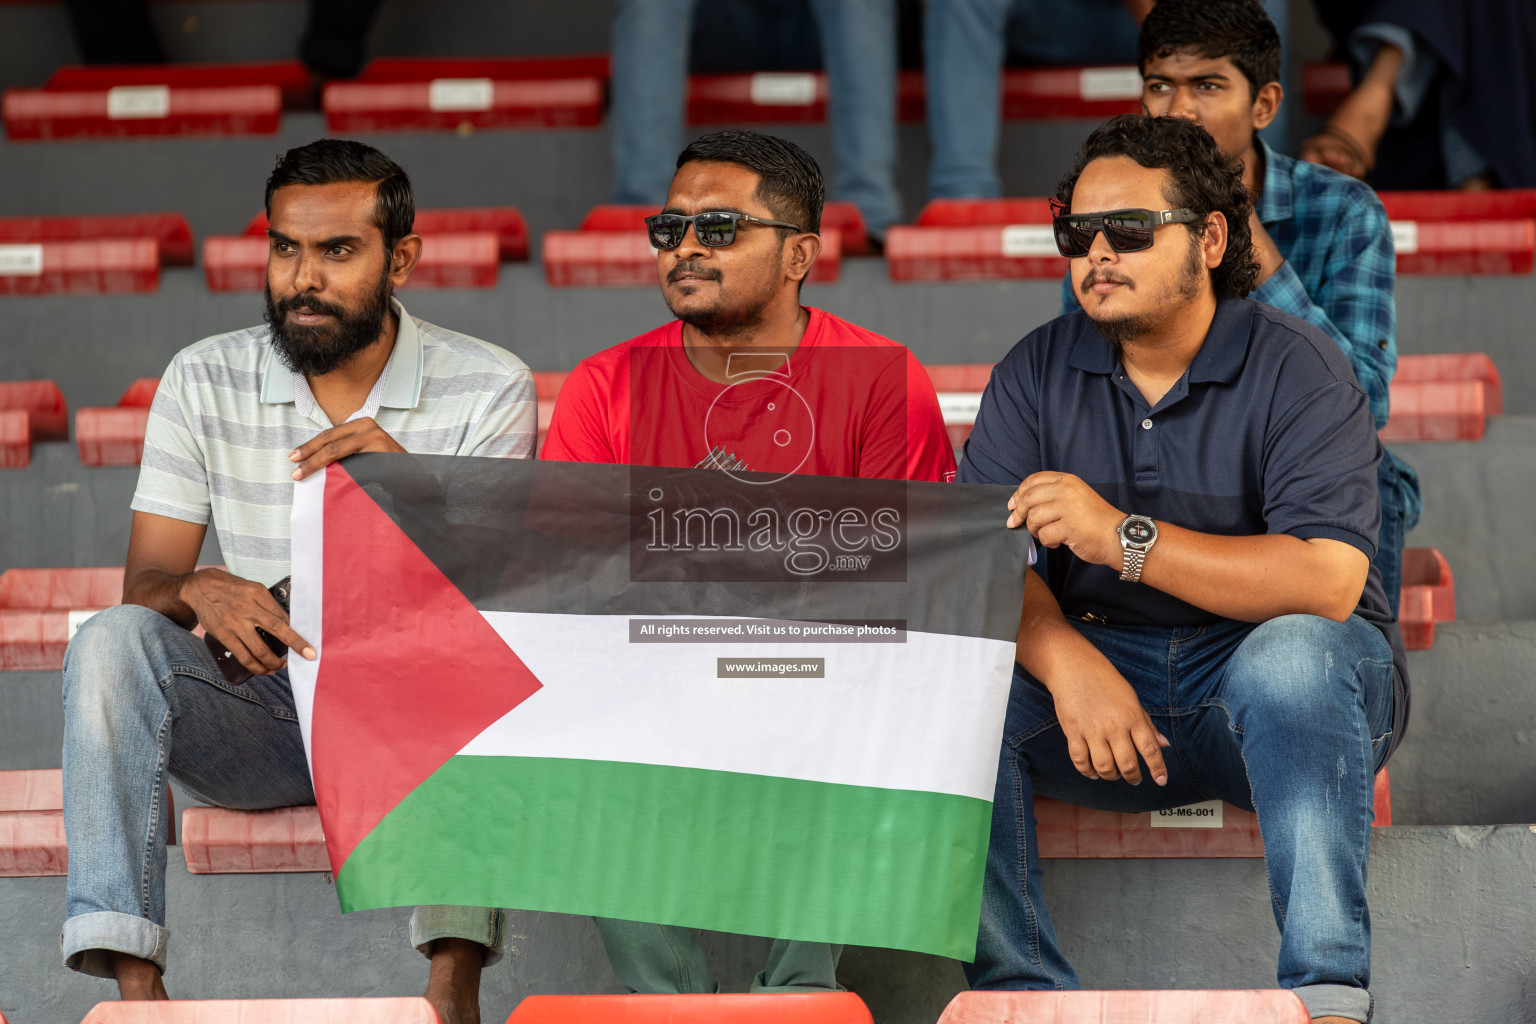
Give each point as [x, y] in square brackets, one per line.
[1267, 431]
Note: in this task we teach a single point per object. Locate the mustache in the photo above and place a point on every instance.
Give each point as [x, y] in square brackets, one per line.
[695, 269]
[310, 304]
[1094, 277]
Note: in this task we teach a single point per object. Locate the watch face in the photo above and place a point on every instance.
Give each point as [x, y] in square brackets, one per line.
[1138, 531]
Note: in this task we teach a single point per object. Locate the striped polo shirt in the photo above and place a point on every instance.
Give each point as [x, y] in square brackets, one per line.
[229, 411]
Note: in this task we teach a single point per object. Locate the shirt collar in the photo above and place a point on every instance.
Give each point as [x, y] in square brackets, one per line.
[1219, 360]
[404, 371]
[1275, 202]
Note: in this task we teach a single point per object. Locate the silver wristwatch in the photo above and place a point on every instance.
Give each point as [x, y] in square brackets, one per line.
[1137, 535]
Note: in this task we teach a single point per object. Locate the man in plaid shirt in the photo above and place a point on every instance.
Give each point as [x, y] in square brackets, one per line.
[1323, 240]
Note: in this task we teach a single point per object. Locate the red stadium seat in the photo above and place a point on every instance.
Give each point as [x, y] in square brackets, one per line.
[610, 249]
[1429, 596]
[357, 1010]
[1210, 829]
[41, 608]
[1034, 94]
[1324, 84]
[735, 1008]
[220, 841]
[169, 230]
[1451, 410]
[114, 435]
[1255, 1006]
[526, 69]
[137, 110]
[1455, 205]
[30, 410]
[546, 385]
[505, 222]
[975, 239]
[1029, 94]
[1464, 247]
[463, 104]
[32, 824]
[1455, 366]
[95, 266]
[233, 263]
[290, 76]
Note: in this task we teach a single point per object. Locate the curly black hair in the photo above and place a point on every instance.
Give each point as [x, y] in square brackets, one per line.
[1199, 177]
[790, 185]
[1236, 29]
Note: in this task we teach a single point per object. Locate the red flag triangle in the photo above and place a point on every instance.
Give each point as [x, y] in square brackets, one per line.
[410, 671]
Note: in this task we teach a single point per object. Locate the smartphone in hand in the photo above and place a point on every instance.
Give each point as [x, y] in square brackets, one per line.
[234, 672]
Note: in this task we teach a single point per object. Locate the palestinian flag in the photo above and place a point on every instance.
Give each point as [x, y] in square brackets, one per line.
[696, 697]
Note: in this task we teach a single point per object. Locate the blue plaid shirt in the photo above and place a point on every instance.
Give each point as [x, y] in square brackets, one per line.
[1338, 275]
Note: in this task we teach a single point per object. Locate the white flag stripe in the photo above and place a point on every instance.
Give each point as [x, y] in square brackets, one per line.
[306, 597]
[880, 717]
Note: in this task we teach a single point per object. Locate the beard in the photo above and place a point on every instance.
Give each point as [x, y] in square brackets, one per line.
[720, 320]
[316, 351]
[1117, 330]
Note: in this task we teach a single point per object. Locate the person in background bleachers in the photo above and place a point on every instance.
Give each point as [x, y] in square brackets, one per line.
[340, 367]
[1323, 241]
[734, 286]
[1445, 94]
[1200, 469]
[964, 46]
[120, 32]
[650, 78]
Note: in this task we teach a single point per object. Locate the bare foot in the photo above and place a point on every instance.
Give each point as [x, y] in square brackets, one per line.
[1476, 183]
[453, 985]
[137, 979]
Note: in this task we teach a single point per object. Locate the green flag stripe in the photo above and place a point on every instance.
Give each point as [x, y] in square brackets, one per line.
[751, 854]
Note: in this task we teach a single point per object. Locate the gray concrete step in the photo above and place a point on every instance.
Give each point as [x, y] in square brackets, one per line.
[1450, 906]
[1478, 497]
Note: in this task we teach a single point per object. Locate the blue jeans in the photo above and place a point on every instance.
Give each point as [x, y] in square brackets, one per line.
[966, 43]
[650, 78]
[143, 700]
[1290, 718]
[1399, 514]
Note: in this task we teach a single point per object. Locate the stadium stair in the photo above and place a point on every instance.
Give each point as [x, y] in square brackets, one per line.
[1254, 1006]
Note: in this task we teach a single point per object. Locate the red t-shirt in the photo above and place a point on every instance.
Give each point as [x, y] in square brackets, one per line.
[847, 403]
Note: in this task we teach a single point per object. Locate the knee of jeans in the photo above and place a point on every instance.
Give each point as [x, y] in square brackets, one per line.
[1295, 663]
[103, 663]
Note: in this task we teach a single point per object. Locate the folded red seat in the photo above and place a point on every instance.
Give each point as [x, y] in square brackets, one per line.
[466, 94]
[505, 222]
[170, 231]
[1429, 596]
[93, 267]
[290, 76]
[610, 249]
[472, 259]
[1240, 1006]
[30, 410]
[136, 110]
[114, 435]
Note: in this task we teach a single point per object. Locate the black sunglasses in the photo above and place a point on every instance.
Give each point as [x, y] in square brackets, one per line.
[712, 228]
[1124, 230]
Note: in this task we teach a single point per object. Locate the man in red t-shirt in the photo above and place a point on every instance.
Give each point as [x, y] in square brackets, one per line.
[748, 381]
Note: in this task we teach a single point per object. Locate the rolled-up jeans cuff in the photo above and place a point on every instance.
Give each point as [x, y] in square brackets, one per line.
[485, 925]
[89, 940]
[1336, 1001]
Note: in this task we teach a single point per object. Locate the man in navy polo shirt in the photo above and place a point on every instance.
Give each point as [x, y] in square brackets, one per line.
[1201, 470]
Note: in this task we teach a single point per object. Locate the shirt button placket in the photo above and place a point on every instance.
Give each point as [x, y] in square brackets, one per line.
[1146, 453]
